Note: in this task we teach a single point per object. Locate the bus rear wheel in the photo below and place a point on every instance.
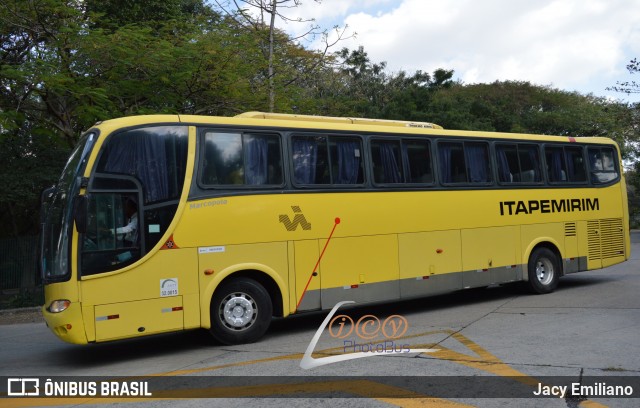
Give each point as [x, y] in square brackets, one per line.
[241, 312]
[543, 270]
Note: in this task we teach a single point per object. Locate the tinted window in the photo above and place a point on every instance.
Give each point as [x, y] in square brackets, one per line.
[565, 164]
[241, 159]
[155, 156]
[575, 164]
[452, 165]
[464, 162]
[327, 160]
[518, 163]
[112, 239]
[386, 161]
[602, 164]
[419, 158]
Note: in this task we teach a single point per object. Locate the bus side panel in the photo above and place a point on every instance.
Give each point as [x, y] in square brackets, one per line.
[605, 242]
[429, 263]
[306, 258]
[489, 256]
[362, 269]
[123, 320]
[572, 261]
[134, 302]
[223, 261]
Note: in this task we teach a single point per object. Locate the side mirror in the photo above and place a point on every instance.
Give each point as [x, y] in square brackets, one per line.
[80, 209]
[45, 199]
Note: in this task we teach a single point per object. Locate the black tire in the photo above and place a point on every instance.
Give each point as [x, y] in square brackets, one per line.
[241, 312]
[543, 271]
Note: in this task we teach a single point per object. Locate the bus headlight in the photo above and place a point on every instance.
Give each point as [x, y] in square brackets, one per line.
[58, 306]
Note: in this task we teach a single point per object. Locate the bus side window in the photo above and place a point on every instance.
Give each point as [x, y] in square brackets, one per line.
[529, 156]
[602, 165]
[556, 167]
[518, 163]
[346, 160]
[575, 164]
[565, 164]
[464, 162]
[452, 165]
[508, 167]
[104, 246]
[310, 160]
[418, 156]
[477, 157]
[386, 161]
[241, 159]
[327, 160]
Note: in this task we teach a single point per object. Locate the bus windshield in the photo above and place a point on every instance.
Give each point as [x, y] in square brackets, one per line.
[57, 226]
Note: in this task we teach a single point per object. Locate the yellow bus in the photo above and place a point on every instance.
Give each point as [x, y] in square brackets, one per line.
[167, 223]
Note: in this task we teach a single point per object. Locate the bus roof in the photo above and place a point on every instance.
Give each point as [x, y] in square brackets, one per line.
[336, 123]
[333, 119]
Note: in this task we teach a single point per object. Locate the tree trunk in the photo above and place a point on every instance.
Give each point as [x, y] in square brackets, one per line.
[272, 90]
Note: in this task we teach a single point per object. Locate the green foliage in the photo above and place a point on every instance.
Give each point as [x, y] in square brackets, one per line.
[520, 107]
[26, 298]
[629, 87]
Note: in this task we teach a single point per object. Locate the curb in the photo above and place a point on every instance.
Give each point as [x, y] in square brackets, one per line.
[20, 310]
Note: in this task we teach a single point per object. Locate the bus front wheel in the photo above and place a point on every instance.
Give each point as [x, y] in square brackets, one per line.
[241, 312]
[544, 271]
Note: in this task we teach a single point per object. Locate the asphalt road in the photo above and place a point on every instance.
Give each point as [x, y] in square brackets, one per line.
[586, 332]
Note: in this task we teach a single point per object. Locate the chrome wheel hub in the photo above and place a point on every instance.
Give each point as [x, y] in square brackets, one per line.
[238, 311]
[544, 271]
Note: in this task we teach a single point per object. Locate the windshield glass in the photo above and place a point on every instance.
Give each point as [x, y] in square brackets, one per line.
[57, 226]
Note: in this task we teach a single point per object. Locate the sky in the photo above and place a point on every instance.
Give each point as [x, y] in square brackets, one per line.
[572, 45]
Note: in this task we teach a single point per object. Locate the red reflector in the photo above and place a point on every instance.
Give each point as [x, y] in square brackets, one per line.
[111, 317]
[175, 309]
[439, 251]
[68, 326]
[425, 277]
[354, 286]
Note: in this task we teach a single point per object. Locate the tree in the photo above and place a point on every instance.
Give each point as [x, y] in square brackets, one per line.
[628, 87]
[62, 68]
[521, 107]
[260, 16]
[360, 87]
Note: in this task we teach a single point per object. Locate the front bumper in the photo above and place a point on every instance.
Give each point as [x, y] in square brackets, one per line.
[68, 324]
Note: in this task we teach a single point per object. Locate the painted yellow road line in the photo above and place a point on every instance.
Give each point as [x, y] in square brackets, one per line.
[480, 359]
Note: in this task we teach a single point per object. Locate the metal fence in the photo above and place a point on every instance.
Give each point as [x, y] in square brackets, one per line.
[20, 284]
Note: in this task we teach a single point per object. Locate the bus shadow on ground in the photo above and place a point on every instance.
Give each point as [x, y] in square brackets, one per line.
[147, 347]
[172, 343]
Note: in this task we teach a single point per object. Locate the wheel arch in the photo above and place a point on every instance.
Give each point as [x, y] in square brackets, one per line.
[545, 242]
[262, 274]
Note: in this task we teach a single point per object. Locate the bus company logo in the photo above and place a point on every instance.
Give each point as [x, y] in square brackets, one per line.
[366, 343]
[23, 387]
[298, 219]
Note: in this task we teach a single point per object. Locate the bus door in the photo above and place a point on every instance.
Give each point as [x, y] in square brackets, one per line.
[131, 284]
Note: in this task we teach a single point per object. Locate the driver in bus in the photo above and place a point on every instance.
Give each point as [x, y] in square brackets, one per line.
[130, 231]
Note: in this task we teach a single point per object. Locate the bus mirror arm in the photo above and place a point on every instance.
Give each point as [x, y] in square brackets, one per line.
[80, 208]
